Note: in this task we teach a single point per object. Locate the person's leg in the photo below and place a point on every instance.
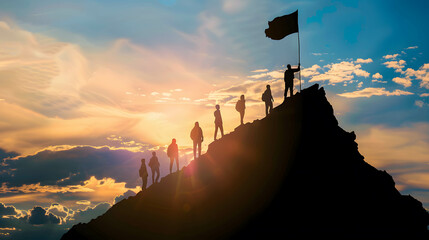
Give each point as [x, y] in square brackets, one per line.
[270, 107]
[221, 129]
[144, 183]
[290, 86]
[171, 164]
[199, 149]
[215, 134]
[177, 163]
[195, 150]
[241, 117]
[157, 174]
[153, 175]
[266, 108]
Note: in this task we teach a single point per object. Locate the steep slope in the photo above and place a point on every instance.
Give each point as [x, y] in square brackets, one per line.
[295, 173]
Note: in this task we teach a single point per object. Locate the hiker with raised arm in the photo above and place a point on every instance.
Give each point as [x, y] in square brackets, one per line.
[240, 106]
[154, 166]
[197, 138]
[289, 76]
[218, 122]
[173, 154]
[267, 97]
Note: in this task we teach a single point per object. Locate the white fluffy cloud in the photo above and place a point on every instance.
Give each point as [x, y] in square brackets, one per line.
[369, 92]
[337, 72]
[360, 60]
[392, 56]
[406, 82]
[377, 76]
[397, 65]
[421, 74]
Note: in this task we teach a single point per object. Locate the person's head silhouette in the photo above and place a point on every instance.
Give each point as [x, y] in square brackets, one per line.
[217, 106]
[154, 154]
[143, 160]
[197, 124]
[289, 67]
[268, 87]
[174, 140]
[242, 97]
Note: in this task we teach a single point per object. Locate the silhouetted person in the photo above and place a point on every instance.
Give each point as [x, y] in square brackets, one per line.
[143, 174]
[197, 138]
[289, 76]
[267, 97]
[173, 154]
[218, 122]
[240, 106]
[154, 166]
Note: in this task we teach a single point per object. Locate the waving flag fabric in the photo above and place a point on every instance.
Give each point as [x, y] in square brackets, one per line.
[282, 26]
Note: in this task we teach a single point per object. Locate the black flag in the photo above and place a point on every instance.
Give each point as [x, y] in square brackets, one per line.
[282, 26]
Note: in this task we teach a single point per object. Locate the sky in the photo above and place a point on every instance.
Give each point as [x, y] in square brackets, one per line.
[88, 88]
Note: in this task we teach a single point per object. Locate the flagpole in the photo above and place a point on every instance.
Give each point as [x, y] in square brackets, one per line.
[299, 61]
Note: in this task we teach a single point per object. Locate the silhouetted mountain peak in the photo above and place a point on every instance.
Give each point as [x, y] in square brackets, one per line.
[295, 173]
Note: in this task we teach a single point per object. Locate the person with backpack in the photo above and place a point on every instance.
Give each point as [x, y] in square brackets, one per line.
[240, 106]
[154, 166]
[143, 174]
[267, 97]
[218, 122]
[197, 138]
[173, 154]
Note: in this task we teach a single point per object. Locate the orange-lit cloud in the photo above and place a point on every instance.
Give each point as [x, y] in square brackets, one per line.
[402, 151]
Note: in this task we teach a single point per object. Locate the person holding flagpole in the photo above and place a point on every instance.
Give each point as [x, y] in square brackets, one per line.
[279, 28]
[289, 76]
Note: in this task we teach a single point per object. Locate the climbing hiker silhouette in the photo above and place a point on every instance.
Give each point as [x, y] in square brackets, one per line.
[173, 154]
[143, 173]
[267, 97]
[218, 122]
[197, 138]
[289, 76]
[240, 106]
[154, 166]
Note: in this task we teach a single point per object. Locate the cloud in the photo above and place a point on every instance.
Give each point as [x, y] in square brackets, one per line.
[360, 84]
[394, 145]
[234, 6]
[360, 60]
[318, 54]
[39, 216]
[40, 73]
[369, 92]
[377, 76]
[311, 71]
[85, 215]
[338, 72]
[398, 65]
[7, 210]
[419, 103]
[125, 195]
[270, 74]
[393, 56]
[424, 95]
[406, 82]
[421, 74]
[260, 70]
[412, 47]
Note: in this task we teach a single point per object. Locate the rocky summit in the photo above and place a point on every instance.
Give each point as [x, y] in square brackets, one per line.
[292, 174]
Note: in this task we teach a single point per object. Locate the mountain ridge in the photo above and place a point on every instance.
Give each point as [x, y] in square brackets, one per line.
[295, 173]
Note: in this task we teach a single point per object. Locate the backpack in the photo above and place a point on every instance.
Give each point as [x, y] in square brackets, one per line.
[237, 106]
[265, 96]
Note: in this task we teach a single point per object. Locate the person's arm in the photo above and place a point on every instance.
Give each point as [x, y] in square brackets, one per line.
[299, 68]
[202, 137]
